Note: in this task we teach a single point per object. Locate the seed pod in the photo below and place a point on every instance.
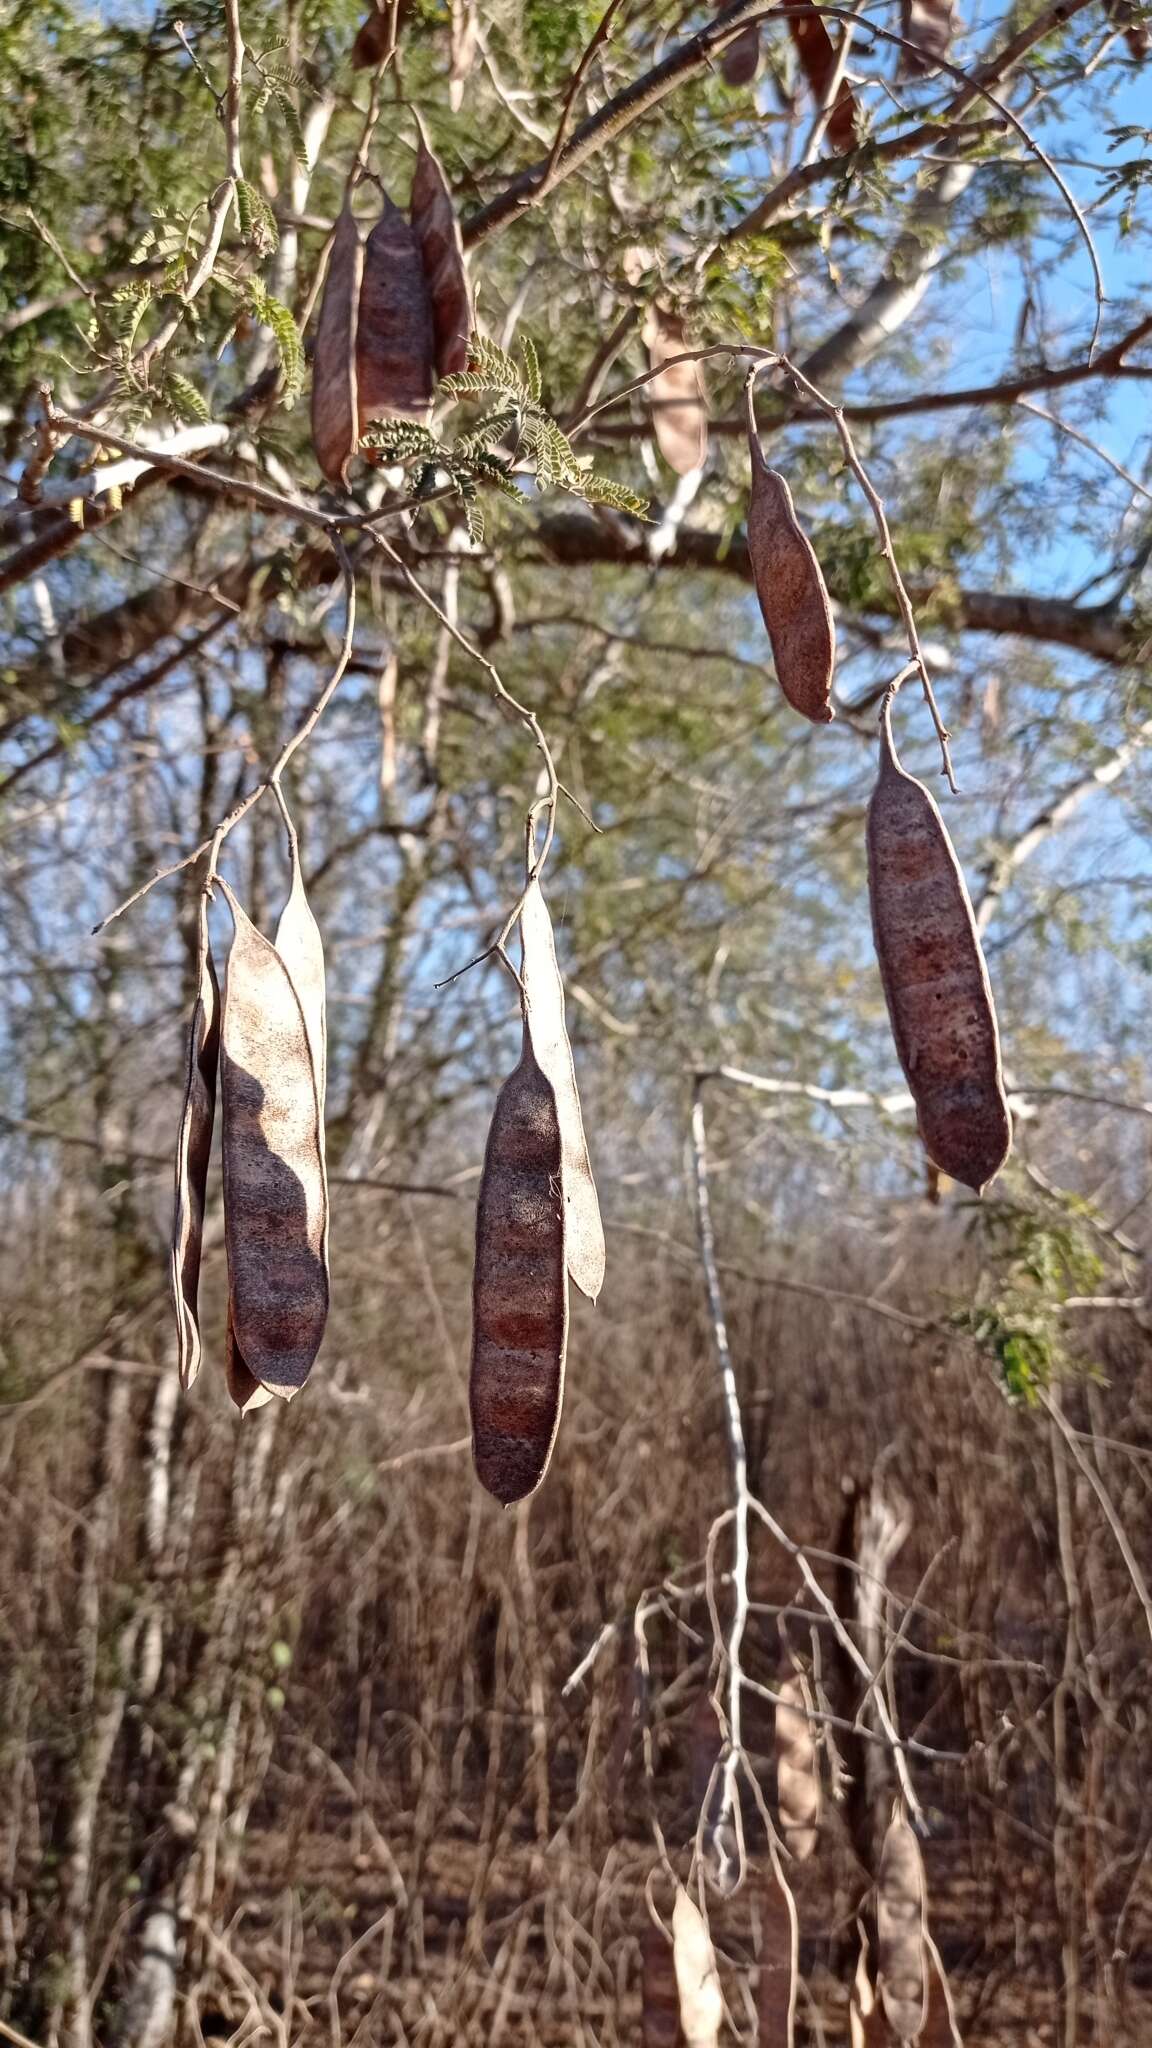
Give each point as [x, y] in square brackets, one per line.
[697, 1981]
[817, 55]
[935, 980]
[900, 1931]
[519, 1289]
[275, 1195]
[193, 1148]
[540, 974]
[371, 43]
[740, 63]
[437, 233]
[395, 350]
[679, 401]
[866, 2028]
[463, 43]
[301, 948]
[928, 25]
[798, 1794]
[779, 1964]
[334, 393]
[246, 1392]
[793, 599]
[659, 1998]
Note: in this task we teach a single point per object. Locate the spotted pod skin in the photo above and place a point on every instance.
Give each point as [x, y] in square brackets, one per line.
[793, 598]
[935, 980]
[395, 350]
[519, 1289]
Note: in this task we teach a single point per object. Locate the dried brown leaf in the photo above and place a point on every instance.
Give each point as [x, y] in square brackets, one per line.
[798, 1792]
[793, 598]
[679, 402]
[697, 1980]
[275, 1194]
[437, 232]
[544, 989]
[659, 1997]
[193, 1148]
[927, 24]
[779, 1964]
[900, 1929]
[935, 980]
[395, 352]
[816, 54]
[519, 1289]
[334, 368]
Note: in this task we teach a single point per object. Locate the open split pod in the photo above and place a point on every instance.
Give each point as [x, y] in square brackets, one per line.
[537, 1225]
[272, 1071]
[395, 314]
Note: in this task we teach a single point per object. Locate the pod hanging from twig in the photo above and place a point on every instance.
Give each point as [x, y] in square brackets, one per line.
[193, 1149]
[798, 1794]
[437, 233]
[740, 60]
[901, 1907]
[935, 980]
[544, 1017]
[817, 56]
[697, 1979]
[678, 398]
[520, 1288]
[275, 1187]
[395, 349]
[793, 598]
[334, 393]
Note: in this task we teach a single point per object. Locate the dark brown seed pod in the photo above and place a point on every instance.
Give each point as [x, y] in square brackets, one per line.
[437, 232]
[519, 1289]
[395, 351]
[816, 54]
[679, 401]
[793, 598]
[371, 43]
[245, 1390]
[935, 980]
[334, 394]
[927, 25]
[740, 63]
[540, 975]
[193, 1148]
[901, 1907]
[275, 1194]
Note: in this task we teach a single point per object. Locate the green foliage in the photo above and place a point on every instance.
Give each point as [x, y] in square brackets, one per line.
[1038, 1257]
[285, 333]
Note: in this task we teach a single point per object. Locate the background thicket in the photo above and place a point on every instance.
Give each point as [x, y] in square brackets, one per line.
[285, 1747]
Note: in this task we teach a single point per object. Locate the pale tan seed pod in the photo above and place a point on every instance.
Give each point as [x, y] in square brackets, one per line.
[193, 1149]
[463, 43]
[275, 1193]
[678, 398]
[779, 1963]
[544, 1016]
[901, 1907]
[519, 1288]
[334, 389]
[793, 598]
[395, 350]
[799, 1798]
[866, 2027]
[935, 980]
[437, 233]
[697, 1979]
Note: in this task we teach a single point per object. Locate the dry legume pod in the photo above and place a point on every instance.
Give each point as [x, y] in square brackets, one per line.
[798, 1795]
[540, 974]
[395, 350]
[677, 395]
[900, 1929]
[935, 980]
[193, 1149]
[275, 1194]
[740, 62]
[334, 394]
[520, 1288]
[697, 1981]
[442, 256]
[790, 587]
